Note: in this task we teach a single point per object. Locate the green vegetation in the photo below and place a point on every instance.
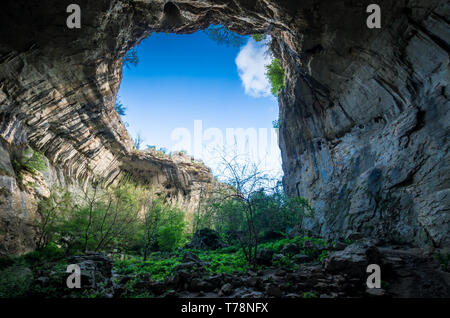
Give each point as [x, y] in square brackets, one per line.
[259, 37]
[145, 234]
[276, 75]
[17, 280]
[31, 161]
[221, 35]
[110, 220]
[309, 295]
[131, 59]
[276, 124]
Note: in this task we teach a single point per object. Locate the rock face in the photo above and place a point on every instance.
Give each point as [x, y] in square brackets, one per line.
[363, 116]
[365, 122]
[206, 239]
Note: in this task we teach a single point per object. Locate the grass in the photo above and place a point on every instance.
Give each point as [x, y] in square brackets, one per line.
[51, 262]
[156, 268]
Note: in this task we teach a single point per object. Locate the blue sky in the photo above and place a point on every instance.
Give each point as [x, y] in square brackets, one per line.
[184, 78]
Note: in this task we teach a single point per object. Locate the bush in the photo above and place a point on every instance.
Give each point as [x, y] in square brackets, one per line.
[33, 164]
[275, 73]
[15, 281]
[172, 230]
[259, 37]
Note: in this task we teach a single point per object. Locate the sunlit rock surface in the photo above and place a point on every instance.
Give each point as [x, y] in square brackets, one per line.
[364, 115]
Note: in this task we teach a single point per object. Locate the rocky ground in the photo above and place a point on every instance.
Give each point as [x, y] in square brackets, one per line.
[405, 272]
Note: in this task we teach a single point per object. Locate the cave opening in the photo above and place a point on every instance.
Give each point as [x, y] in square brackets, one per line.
[203, 94]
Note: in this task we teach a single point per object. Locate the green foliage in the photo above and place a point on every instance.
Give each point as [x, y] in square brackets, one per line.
[158, 268]
[102, 219]
[222, 261]
[36, 163]
[309, 295]
[52, 210]
[120, 108]
[275, 73]
[163, 228]
[221, 35]
[33, 164]
[284, 262]
[276, 123]
[172, 229]
[131, 59]
[259, 37]
[15, 281]
[318, 252]
[17, 278]
[272, 212]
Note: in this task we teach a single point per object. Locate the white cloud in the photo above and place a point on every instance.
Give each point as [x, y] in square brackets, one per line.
[251, 62]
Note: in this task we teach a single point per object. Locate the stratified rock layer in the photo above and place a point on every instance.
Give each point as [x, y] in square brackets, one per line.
[365, 123]
[364, 114]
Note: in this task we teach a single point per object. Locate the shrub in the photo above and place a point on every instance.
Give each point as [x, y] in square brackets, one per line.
[172, 230]
[33, 164]
[15, 281]
[275, 73]
[309, 295]
[259, 37]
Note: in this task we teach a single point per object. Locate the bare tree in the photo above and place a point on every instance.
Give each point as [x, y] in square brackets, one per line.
[242, 180]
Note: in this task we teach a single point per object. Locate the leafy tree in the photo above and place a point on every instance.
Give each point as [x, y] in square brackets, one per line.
[221, 35]
[131, 59]
[248, 203]
[150, 226]
[102, 219]
[52, 210]
[275, 73]
[171, 232]
[163, 227]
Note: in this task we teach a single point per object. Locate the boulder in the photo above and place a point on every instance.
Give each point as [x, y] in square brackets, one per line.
[198, 284]
[353, 260]
[290, 249]
[95, 270]
[206, 239]
[226, 290]
[273, 290]
[264, 257]
[339, 246]
[354, 236]
[302, 258]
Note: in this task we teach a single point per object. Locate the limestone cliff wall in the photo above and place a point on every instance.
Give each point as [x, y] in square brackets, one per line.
[366, 122]
[364, 115]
